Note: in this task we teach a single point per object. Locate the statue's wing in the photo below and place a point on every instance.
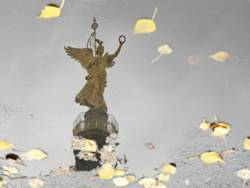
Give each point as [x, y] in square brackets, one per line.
[83, 55]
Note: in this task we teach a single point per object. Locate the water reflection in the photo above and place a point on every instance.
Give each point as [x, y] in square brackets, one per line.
[95, 125]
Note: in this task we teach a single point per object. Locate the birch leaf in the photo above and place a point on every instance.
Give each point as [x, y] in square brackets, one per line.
[120, 172]
[8, 170]
[244, 174]
[36, 182]
[247, 143]
[163, 177]
[123, 181]
[51, 11]
[211, 157]
[35, 154]
[193, 59]
[148, 182]
[220, 56]
[220, 129]
[169, 168]
[150, 145]
[84, 144]
[144, 25]
[164, 49]
[160, 185]
[5, 145]
[61, 171]
[88, 156]
[3, 182]
[106, 171]
[204, 125]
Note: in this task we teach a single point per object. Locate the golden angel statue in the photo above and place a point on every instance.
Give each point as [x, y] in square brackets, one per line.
[95, 62]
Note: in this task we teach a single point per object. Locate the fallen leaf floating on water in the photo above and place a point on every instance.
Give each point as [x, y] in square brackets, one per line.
[88, 156]
[36, 183]
[146, 25]
[61, 171]
[150, 146]
[247, 143]
[164, 178]
[51, 11]
[164, 49]
[220, 56]
[187, 182]
[148, 182]
[14, 159]
[193, 60]
[230, 152]
[84, 144]
[106, 171]
[5, 145]
[124, 181]
[35, 154]
[220, 129]
[169, 168]
[160, 185]
[211, 157]
[8, 170]
[3, 182]
[204, 125]
[108, 154]
[244, 174]
[151, 183]
[120, 172]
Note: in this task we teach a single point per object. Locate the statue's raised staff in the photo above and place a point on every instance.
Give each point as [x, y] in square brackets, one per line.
[93, 59]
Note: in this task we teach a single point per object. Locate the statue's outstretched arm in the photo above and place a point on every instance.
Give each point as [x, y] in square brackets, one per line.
[122, 40]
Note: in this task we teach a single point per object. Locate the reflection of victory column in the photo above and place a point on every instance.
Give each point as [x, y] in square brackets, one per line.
[96, 123]
[95, 63]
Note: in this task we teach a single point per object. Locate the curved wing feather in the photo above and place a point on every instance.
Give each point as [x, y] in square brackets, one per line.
[83, 55]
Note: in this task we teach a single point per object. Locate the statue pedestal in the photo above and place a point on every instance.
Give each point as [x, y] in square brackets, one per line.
[95, 125]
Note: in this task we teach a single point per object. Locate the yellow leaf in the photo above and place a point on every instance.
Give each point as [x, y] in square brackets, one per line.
[163, 177]
[160, 185]
[148, 182]
[123, 181]
[211, 157]
[165, 49]
[3, 182]
[120, 172]
[8, 170]
[144, 25]
[106, 171]
[51, 11]
[204, 125]
[5, 145]
[247, 143]
[169, 168]
[84, 144]
[220, 56]
[35, 154]
[220, 129]
[131, 178]
[244, 174]
[36, 182]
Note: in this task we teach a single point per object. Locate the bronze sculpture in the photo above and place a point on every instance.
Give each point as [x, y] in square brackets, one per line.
[93, 60]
